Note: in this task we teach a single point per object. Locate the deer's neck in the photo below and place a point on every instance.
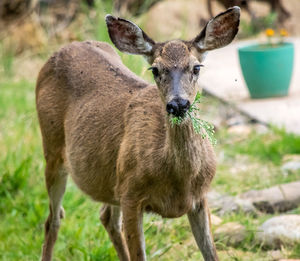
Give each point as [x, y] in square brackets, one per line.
[184, 146]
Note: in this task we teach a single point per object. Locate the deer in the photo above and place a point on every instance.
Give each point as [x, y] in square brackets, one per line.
[275, 5]
[110, 131]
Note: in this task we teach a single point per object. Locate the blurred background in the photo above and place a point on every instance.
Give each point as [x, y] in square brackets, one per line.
[256, 190]
[34, 28]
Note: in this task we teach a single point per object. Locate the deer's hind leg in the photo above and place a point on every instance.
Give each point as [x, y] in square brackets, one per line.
[110, 217]
[56, 180]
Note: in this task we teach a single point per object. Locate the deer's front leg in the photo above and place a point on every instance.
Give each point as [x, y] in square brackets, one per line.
[133, 228]
[199, 218]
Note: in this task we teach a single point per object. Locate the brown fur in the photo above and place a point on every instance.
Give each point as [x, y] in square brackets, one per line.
[110, 131]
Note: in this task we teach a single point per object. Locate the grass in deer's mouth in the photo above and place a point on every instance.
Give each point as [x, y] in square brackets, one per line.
[198, 124]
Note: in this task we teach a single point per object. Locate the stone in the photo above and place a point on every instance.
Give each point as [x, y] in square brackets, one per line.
[240, 129]
[224, 204]
[236, 119]
[261, 128]
[279, 198]
[291, 157]
[291, 167]
[231, 233]
[215, 220]
[289, 260]
[280, 230]
[275, 255]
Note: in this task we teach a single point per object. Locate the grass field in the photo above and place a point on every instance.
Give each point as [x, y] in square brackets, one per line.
[24, 203]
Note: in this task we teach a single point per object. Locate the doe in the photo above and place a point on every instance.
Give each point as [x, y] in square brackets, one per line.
[111, 131]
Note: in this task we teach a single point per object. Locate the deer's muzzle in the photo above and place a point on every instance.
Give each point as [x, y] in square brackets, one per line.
[178, 107]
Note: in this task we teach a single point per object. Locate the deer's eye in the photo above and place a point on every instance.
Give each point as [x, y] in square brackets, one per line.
[154, 71]
[196, 69]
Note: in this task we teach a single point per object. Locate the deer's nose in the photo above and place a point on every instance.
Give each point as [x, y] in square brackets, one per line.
[178, 107]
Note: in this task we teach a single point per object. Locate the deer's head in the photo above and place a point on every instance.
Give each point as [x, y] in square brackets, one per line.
[175, 64]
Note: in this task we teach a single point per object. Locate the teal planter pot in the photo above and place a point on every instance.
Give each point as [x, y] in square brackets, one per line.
[267, 70]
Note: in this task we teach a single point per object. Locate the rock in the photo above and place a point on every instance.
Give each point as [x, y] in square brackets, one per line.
[230, 204]
[291, 167]
[231, 233]
[240, 129]
[261, 128]
[281, 230]
[224, 204]
[289, 260]
[235, 119]
[275, 255]
[279, 198]
[215, 220]
[291, 157]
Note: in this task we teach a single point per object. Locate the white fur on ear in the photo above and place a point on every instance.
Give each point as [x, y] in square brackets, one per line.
[147, 47]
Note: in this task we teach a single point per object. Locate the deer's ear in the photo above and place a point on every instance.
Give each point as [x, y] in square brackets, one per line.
[128, 37]
[219, 31]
